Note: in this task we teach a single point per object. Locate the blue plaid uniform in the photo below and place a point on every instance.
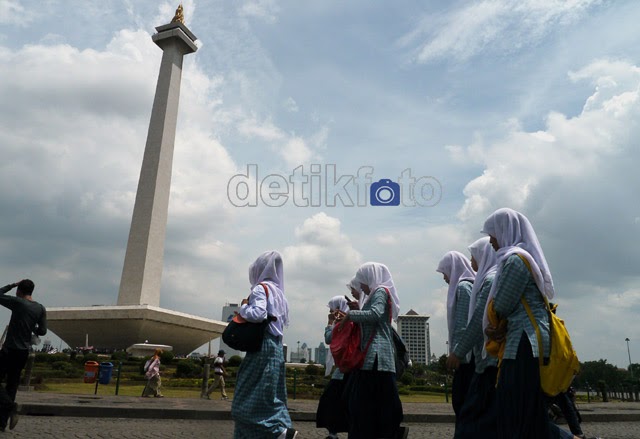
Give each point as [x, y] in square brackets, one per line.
[463, 298]
[472, 337]
[374, 315]
[514, 282]
[259, 406]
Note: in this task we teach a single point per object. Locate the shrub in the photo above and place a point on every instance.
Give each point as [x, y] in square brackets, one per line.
[188, 369]
[234, 361]
[119, 356]
[166, 357]
[314, 370]
[407, 379]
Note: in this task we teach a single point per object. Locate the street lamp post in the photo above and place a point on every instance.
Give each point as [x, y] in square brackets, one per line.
[629, 352]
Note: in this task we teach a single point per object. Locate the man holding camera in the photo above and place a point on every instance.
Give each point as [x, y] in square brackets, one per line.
[27, 318]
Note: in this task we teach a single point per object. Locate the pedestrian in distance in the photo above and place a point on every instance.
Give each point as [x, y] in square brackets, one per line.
[28, 317]
[219, 372]
[259, 407]
[152, 373]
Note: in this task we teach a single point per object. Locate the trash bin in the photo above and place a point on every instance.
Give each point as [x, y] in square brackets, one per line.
[91, 371]
[105, 373]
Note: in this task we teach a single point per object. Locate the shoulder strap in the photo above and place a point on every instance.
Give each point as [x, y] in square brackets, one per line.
[536, 327]
[389, 303]
[532, 319]
[266, 288]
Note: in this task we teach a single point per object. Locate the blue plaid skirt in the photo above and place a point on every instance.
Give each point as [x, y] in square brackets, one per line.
[259, 406]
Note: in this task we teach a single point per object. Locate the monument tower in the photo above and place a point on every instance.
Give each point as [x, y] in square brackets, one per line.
[140, 282]
[137, 316]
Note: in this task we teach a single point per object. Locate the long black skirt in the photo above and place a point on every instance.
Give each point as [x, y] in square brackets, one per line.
[478, 416]
[332, 407]
[375, 410]
[460, 385]
[522, 410]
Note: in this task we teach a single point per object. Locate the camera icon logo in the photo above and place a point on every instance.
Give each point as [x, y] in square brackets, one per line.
[384, 192]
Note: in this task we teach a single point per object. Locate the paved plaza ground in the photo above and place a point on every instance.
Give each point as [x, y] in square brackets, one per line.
[49, 415]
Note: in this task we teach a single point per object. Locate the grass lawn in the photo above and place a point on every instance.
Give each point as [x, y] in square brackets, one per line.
[181, 392]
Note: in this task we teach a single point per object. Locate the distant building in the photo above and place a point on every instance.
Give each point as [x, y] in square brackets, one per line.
[414, 330]
[228, 311]
[321, 354]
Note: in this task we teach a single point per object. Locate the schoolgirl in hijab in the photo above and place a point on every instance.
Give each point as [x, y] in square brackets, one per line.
[332, 408]
[522, 275]
[478, 414]
[374, 406]
[259, 406]
[457, 272]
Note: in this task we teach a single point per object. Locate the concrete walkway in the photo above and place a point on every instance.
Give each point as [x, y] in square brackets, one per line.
[56, 404]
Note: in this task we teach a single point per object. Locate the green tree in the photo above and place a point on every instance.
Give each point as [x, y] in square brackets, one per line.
[594, 371]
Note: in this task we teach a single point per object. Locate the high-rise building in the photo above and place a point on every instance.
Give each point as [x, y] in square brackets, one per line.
[321, 354]
[228, 311]
[414, 330]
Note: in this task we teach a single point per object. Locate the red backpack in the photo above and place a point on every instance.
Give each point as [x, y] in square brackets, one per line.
[345, 346]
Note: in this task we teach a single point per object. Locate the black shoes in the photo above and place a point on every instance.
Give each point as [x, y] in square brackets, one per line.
[291, 433]
[14, 417]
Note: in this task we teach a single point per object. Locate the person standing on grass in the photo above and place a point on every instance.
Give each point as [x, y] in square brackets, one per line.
[152, 372]
[28, 317]
[219, 373]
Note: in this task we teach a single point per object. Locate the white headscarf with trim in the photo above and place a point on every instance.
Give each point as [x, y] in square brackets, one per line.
[515, 235]
[336, 302]
[356, 286]
[485, 257]
[268, 268]
[457, 267]
[376, 275]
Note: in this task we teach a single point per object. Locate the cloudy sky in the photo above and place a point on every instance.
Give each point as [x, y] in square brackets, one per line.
[530, 104]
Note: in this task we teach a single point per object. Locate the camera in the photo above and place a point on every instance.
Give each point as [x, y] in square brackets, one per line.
[384, 192]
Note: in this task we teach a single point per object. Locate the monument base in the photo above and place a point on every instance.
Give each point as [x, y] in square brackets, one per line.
[118, 327]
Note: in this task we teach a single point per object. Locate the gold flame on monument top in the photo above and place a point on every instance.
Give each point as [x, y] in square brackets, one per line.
[179, 17]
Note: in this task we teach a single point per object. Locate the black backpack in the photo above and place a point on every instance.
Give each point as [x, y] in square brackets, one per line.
[402, 353]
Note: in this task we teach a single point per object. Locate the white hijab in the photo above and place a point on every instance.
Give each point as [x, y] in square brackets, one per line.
[268, 269]
[356, 286]
[336, 302]
[515, 235]
[485, 257]
[376, 275]
[457, 267]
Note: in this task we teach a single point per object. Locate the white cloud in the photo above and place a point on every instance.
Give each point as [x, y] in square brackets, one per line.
[266, 10]
[491, 26]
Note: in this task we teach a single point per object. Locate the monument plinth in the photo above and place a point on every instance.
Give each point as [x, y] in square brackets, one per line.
[137, 316]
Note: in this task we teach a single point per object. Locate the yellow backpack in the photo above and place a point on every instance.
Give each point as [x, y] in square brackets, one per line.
[557, 374]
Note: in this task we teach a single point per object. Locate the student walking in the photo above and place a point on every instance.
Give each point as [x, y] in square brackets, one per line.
[374, 407]
[332, 407]
[478, 414]
[457, 272]
[522, 275]
[259, 406]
